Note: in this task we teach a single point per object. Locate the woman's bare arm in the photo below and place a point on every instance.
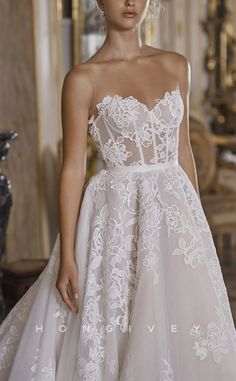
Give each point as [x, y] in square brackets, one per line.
[77, 95]
[186, 158]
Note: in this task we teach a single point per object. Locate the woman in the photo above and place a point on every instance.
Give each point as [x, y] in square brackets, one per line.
[133, 289]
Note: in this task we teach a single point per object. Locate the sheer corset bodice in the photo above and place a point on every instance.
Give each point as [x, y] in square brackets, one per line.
[128, 133]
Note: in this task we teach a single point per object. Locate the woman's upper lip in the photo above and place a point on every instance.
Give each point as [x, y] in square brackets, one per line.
[130, 12]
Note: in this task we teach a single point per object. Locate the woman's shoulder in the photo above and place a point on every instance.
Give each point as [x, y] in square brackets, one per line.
[87, 70]
[169, 56]
[77, 84]
[79, 74]
[173, 62]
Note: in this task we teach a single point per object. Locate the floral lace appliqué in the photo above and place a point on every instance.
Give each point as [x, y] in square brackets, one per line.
[167, 373]
[120, 135]
[211, 340]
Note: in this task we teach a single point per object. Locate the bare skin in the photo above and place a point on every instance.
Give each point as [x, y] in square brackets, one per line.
[124, 66]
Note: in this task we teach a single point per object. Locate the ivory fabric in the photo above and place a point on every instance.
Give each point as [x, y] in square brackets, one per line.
[153, 305]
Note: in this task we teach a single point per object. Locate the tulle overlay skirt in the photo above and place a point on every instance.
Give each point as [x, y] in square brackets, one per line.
[152, 300]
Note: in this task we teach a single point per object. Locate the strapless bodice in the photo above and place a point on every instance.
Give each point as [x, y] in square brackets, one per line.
[128, 133]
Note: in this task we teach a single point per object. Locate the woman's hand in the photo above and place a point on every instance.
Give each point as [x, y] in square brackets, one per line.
[67, 284]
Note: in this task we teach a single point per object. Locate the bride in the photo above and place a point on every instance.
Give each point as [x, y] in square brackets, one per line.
[133, 289]
[123, 65]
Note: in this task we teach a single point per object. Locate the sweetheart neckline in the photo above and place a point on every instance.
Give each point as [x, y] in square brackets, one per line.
[158, 101]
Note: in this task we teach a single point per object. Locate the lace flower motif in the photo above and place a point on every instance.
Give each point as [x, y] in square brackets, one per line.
[114, 108]
[116, 152]
[211, 340]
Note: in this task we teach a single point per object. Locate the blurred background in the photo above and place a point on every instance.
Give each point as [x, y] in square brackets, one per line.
[40, 41]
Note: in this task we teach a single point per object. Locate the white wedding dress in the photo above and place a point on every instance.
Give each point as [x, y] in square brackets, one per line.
[152, 300]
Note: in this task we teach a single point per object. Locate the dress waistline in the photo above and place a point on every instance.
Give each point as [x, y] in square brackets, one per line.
[142, 168]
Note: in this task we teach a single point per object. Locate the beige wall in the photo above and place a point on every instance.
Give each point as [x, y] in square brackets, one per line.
[18, 112]
[49, 76]
[179, 30]
[30, 105]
